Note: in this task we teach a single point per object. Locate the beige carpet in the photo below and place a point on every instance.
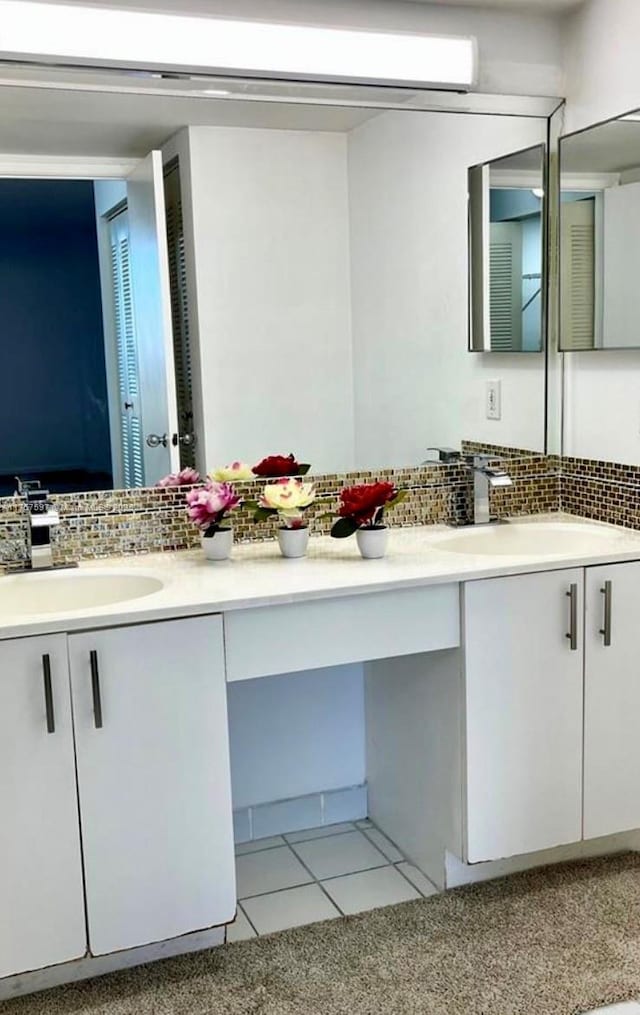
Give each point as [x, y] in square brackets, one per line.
[556, 941]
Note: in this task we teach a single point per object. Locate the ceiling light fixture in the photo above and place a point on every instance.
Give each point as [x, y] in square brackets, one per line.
[92, 35]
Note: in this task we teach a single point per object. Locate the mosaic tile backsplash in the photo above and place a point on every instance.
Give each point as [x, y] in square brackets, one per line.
[120, 522]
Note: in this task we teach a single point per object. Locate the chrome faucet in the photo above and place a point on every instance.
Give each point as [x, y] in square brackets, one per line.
[485, 477]
[42, 517]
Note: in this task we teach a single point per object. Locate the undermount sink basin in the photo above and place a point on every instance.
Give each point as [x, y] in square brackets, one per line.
[517, 540]
[58, 592]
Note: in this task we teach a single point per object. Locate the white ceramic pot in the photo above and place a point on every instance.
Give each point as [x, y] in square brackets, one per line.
[218, 546]
[372, 543]
[293, 542]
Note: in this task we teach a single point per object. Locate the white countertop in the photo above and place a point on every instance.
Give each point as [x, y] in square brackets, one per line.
[258, 576]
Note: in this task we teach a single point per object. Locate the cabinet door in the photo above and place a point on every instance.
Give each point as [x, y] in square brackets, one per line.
[42, 918]
[612, 701]
[523, 713]
[154, 781]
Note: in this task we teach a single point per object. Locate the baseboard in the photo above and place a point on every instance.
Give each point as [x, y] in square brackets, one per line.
[460, 873]
[297, 813]
[90, 966]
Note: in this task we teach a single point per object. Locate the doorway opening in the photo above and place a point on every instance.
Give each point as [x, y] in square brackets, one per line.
[95, 351]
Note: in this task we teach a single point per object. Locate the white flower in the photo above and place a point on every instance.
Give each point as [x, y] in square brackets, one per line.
[234, 472]
[289, 497]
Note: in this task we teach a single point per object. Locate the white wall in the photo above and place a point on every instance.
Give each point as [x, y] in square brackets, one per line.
[415, 383]
[602, 390]
[602, 70]
[296, 734]
[270, 231]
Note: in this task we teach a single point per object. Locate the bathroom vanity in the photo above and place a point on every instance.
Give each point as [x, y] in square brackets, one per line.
[500, 703]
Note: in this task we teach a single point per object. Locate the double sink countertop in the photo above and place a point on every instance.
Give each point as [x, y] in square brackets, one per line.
[160, 586]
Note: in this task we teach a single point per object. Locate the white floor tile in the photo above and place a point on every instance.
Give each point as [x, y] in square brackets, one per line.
[269, 871]
[296, 907]
[624, 1008]
[256, 844]
[370, 889]
[320, 833]
[339, 854]
[240, 929]
[385, 846]
[417, 878]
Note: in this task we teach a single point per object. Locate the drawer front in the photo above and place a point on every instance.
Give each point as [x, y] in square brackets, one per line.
[329, 632]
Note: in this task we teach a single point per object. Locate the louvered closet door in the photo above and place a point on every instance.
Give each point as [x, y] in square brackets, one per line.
[505, 286]
[131, 436]
[577, 275]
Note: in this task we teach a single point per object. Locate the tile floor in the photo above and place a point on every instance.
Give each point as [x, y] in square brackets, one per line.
[319, 874]
[628, 1008]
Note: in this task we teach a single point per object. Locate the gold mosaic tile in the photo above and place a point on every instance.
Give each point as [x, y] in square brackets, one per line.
[117, 522]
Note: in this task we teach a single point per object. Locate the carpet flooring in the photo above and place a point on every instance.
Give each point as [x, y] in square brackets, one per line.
[555, 941]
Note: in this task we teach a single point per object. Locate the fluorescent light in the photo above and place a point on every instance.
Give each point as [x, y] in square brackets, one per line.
[538, 192]
[94, 35]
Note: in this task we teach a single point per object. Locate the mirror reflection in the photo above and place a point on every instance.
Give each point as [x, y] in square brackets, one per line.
[600, 236]
[236, 280]
[506, 243]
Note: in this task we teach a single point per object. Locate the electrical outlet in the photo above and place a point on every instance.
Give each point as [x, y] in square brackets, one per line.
[494, 399]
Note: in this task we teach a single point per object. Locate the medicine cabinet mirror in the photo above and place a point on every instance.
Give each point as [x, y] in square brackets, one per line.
[506, 253]
[600, 237]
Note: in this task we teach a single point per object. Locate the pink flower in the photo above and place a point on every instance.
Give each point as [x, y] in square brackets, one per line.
[207, 505]
[186, 477]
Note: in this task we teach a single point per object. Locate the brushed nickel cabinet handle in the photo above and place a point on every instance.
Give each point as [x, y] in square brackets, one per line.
[572, 633]
[48, 694]
[606, 630]
[95, 689]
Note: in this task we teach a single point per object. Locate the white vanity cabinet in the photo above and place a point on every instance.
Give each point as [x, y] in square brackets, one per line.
[42, 918]
[612, 700]
[147, 791]
[154, 782]
[523, 713]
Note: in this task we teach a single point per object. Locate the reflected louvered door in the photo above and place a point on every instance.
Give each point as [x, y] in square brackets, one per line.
[180, 314]
[577, 275]
[505, 286]
[131, 435]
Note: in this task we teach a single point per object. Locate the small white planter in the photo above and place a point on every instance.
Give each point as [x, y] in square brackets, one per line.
[218, 546]
[372, 543]
[293, 542]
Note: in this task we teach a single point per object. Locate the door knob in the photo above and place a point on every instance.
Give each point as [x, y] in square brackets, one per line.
[187, 440]
[154, 440]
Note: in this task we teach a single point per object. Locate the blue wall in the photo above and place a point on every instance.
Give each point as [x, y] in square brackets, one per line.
[53, 410]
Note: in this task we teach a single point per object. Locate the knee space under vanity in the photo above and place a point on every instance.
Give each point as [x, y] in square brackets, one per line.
[339, 744]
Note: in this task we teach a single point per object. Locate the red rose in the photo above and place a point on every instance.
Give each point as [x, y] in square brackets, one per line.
[275, 466]
[362, 502]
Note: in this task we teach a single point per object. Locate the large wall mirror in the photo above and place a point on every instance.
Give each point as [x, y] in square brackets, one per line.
[199, 275]
[600, 236]
[507, 263]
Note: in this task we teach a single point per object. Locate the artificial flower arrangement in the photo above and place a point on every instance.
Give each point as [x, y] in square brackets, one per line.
[236, 472]
[277, 466]
[207, 507]
[186, 477]
[362, 511]
[271, 467]
[287, 499]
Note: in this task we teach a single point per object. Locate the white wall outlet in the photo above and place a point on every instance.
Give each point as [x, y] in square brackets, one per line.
[494, 399]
